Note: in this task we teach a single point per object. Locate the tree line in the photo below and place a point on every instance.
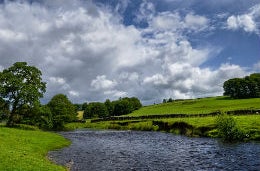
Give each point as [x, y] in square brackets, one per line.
[247, 87]
[21, 87]
[109, 108]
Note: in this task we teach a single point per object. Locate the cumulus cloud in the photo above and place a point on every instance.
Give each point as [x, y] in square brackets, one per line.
[101, 82]
[244, 21]
[86, 52]
[247, 22]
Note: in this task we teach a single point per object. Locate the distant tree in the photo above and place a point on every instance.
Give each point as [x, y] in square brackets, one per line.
[78, 107]
[96, 109]
[110, 107]
[164, 101]
[122, 107]
[20, 85]
[126, 105]
[247, 87]
[62, 110]
[135, 102]
[84, 106]
[170, 100]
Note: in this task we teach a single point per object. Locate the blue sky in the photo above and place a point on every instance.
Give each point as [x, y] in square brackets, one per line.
[94, 50]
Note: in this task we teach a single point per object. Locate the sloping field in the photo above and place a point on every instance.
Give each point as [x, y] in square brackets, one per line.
[27, 150]
[199, 106]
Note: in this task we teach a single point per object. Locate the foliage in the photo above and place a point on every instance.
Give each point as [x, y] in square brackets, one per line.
[27, 150]
[62, 111]
[122, 106]
[4, 109]
[96, 109]
[78, 107]
[110, 107]
[248, 87]
[20, 85]
[228, 129]
[118, 107]
[126, 105]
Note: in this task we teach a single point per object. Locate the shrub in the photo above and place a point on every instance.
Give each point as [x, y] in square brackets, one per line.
[228, 129]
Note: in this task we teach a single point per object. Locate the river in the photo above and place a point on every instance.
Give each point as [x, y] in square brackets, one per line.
[135, 150]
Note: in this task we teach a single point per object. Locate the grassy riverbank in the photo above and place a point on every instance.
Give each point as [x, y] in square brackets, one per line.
[193, 126]
[190, 126]
[27, 149]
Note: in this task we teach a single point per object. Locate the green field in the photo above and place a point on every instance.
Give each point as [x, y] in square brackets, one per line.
[27, 150]
[199, 106]
[191, 126]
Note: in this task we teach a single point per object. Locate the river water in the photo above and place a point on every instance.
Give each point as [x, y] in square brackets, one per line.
[134, 150]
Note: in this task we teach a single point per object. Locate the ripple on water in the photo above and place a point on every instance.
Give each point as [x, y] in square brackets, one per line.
[131, 150]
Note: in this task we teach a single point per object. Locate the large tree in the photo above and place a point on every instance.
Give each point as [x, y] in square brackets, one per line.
[21, 85]
[4, 109]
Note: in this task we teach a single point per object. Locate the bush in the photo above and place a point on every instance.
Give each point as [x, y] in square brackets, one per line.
[228, 129]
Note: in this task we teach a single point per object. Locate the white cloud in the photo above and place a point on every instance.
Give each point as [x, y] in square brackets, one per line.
[156, 79]
[115, 93]
[249, 22]
[57, 80]
[196, 21]
[245, 22]
[256, 66]
[101, 82]
[74, 93]
[86, 52]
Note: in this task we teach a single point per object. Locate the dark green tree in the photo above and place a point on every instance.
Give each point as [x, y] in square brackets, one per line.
[62, 110]
[78, 107]
[84, 106]
[96, 109]
[122, 107]
[21, 85]
[135, 102]
[4, 109]
[110, 107]
[248, 87]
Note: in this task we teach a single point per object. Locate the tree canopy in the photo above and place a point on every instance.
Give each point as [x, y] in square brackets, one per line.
[62, 110]
[247, 87]
[96, 109]
[21, 85]
[118, 107]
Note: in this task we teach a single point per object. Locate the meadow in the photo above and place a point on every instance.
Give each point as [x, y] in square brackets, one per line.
[199, 106]
[190, 126]
[27, 149]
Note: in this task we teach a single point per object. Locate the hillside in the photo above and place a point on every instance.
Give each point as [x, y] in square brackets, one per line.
[199, 106]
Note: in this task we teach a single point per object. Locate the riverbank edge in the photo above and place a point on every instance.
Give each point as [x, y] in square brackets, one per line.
[177, 128]
[49, 141]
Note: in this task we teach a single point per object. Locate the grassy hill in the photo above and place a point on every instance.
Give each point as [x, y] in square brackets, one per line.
[199, 106]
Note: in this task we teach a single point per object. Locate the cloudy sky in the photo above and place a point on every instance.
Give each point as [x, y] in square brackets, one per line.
[94, 50]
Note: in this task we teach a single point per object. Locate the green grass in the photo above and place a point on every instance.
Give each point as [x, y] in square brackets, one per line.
[199, 106]
[27, 150]
[80, 115]
[249, 123]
